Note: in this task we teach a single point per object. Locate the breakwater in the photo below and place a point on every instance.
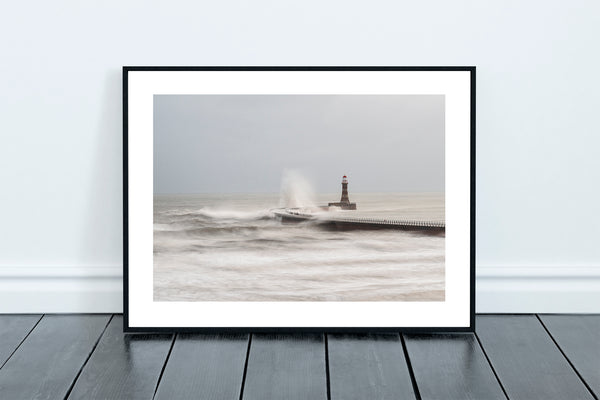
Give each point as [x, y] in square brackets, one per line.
[348, 220]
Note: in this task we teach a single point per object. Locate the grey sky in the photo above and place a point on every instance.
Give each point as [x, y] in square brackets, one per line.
[243, 143]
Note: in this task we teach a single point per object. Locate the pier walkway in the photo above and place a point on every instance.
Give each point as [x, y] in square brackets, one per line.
[356, 221]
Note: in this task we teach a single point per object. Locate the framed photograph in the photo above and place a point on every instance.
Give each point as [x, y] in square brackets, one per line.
[261, 199]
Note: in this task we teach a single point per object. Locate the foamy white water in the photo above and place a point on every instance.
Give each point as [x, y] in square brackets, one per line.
[228, 247]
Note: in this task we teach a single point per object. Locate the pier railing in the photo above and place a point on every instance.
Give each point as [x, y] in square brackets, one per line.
[299, 214]
[386, 221]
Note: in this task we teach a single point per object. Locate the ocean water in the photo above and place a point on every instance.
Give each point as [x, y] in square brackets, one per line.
[229, 247]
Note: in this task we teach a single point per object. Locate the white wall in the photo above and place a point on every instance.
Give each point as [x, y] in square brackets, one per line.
[538, 131]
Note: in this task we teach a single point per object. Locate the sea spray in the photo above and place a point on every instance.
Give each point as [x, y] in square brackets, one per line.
[296, 190]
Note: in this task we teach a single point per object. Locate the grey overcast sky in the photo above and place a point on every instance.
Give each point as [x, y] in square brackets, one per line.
[243, 143]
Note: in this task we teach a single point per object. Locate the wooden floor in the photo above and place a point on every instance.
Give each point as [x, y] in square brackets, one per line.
[510, 356]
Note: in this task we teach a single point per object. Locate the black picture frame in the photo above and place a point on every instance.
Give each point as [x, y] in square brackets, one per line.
[327, 329]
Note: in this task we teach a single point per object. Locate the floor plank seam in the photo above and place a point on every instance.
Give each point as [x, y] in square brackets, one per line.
[21, 342]
[162, 371]
[491, 366]
[87, 358]
[246, 366]
[411, 372]
[327, 374]
[566, 358]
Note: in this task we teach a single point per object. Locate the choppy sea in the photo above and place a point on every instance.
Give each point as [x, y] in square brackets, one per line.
[229, 247]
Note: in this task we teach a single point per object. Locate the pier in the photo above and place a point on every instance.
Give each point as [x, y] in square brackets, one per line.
[346, 220]
[343, 215]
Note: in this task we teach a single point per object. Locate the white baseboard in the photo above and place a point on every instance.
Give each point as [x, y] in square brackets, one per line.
[538, 290]
[51, 289]
[99, 289]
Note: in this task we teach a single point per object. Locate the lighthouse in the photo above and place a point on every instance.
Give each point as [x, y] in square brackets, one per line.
[345, 198]
[344, 203]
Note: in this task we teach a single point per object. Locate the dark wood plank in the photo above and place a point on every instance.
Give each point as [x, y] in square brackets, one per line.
[46, 364]
[13, 329]
[286, 367]
[123, 366]
[451, 366]
[205, 367]
[526, 360]
[369, 366]
[579, 338]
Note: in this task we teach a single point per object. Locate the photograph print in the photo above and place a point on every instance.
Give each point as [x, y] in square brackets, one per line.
[299, 198]
[291, 198]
